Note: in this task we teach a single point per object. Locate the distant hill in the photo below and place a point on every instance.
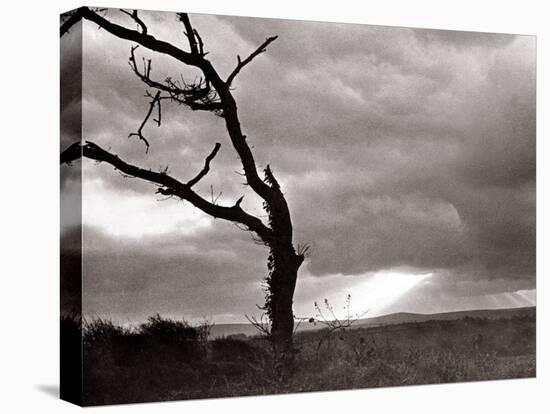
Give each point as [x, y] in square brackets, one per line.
[219, 330]
[403, 317]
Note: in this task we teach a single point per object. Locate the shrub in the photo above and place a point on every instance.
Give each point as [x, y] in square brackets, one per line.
[170, 339]
[230, 349]
[101, 332]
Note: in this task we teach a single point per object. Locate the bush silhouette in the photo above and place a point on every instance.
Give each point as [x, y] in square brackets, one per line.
[230, 349]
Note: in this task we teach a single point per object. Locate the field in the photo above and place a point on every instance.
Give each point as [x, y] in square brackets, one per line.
[170, 360]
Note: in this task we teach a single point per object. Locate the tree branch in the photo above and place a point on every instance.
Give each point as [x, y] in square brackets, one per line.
[206, 167]
[169, 186]
[71, 153]
[74, 17]
[201, 44]
[135, 17]
[189, 32]
[241, 64]
[198, 96]
[143, 39]
[139, 134]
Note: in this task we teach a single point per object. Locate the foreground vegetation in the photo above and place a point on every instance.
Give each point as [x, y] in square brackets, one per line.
[164, 359]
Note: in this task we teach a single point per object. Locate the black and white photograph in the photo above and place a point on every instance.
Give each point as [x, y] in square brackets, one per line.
[254, 206]
[275, 207]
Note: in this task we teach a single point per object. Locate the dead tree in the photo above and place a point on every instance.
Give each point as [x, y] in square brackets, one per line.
[211, 93]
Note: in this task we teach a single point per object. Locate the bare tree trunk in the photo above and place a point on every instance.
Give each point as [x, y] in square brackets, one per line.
[281, 286]
[283, 264]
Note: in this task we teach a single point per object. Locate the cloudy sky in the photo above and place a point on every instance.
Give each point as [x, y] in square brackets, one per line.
[407, 157]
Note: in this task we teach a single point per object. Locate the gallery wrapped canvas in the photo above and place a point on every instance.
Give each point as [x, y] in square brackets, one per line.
[259, 206]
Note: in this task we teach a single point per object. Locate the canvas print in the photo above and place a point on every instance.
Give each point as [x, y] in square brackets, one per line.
[256, 206]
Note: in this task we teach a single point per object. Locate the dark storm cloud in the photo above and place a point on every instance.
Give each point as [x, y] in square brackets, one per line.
[434, 129]
[395, 147]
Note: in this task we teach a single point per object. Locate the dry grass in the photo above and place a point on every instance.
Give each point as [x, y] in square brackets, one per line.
[169, 360]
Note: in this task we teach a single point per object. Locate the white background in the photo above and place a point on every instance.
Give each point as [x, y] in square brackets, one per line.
[29, 207]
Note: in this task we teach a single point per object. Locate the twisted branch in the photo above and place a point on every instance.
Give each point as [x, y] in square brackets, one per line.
[242, 63]
[206, 168]
[74, 17]
[169, 186]
[139, 133]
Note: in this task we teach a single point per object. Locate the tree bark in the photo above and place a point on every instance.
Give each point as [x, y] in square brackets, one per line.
[283, 264]
[281, 285]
